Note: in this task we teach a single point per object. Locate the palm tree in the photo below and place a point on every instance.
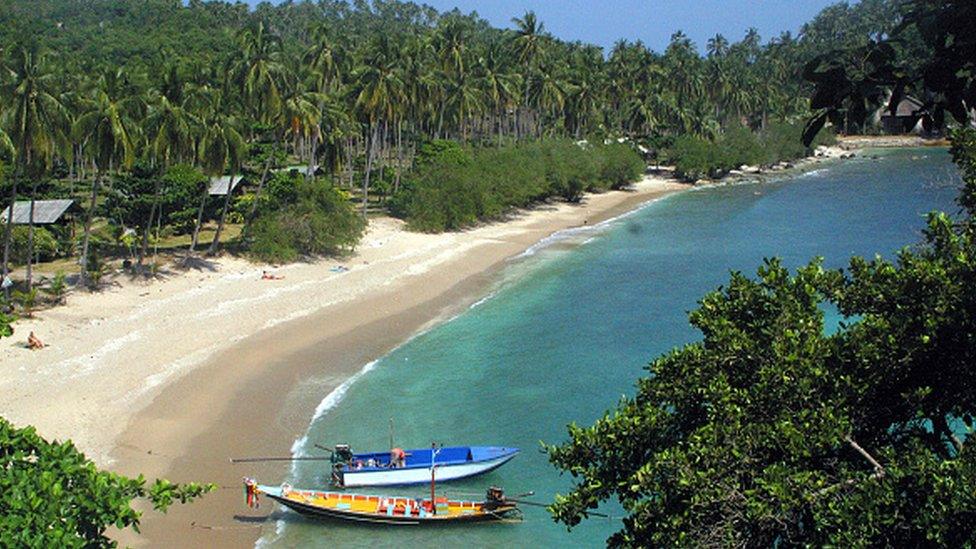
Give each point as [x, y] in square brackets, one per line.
[378, 91]
[110, 131]
[171, 129]
[499, 84]
[257, 74]
[221, 149]
[34, 121]
[530, 49]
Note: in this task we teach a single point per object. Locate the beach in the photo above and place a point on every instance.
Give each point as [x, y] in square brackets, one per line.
[172, 378]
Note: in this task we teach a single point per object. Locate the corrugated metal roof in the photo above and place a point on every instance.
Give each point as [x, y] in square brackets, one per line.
[302, 169]
[909, 106]
[45, 211]
[218, 185]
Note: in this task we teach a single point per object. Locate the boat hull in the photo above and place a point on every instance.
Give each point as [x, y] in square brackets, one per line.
[400, 520]
[420, 475]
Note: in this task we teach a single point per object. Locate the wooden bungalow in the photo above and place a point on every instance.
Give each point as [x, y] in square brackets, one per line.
[906, 119]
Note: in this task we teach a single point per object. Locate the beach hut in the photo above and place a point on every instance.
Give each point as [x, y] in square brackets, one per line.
[907, 117]
[220, 186]
[55, 216]
[46, 212]
[303, 169]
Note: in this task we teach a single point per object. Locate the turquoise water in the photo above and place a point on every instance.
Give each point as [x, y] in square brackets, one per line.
[570, 328]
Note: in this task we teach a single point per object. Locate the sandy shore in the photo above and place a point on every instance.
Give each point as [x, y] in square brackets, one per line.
[172, 378]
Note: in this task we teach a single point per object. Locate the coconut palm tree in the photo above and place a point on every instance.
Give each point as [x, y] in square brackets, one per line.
[258, 76]
[171, 127]
[378, 90]
[34, 121]
[221, 149]
[108, 127]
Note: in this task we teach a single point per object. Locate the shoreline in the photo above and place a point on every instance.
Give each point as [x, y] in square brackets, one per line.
[170, 379]
[257, 395]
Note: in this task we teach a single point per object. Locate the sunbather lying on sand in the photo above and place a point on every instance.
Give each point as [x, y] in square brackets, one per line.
[265, 275]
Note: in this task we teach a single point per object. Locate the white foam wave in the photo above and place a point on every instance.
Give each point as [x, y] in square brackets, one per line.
[481, 301]
[330, 401]
[88, 363]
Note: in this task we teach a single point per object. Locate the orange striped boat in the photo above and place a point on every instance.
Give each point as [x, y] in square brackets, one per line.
[385, 509]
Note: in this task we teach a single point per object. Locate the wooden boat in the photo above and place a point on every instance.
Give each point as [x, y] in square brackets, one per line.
[385, 509]
[409, 467]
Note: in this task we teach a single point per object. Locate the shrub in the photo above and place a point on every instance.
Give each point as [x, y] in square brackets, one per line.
[57, 288]
[54, 496]
[441, 151]
[738, 146]
[619, 166]
[693, 157]
[46, 245]
[449, 192]
[321, 221]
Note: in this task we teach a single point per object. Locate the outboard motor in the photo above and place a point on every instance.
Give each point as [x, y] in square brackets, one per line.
[494, 498]
[342, 454]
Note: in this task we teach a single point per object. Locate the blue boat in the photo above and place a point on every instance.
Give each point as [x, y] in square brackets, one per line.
[407, 467]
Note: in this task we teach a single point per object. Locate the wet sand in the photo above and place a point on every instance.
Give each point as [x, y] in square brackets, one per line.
[256, 397]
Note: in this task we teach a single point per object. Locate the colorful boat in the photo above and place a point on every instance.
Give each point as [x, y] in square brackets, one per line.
[410, 467]
[385, 509]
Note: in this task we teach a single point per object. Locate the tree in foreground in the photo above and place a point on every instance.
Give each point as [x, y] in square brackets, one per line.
[771, 431]
[51, 495]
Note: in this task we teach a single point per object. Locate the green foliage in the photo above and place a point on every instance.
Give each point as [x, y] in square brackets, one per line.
[448, 195]
[570, 170]
[27, 299]
[931, 53]
[783, 142]
[320, 221]
[619, 165]
[58, 288]
[771, 429]
[95, 270]
[53, 496]
[46, 246]
[6, 320]
[441, 151]
[131, 199]
[695, 157]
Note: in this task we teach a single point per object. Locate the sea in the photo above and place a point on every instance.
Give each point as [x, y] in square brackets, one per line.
[570, 325]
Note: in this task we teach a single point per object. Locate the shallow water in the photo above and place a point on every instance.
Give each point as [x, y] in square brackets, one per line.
[570, 327]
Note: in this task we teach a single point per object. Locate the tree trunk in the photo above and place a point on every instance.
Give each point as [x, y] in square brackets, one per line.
[144, 249]
[7, 233]
[264, 178]
[370, 146]
[30, 237]
[223, 213]
[196, 227]
[399, 145]
[88, 221]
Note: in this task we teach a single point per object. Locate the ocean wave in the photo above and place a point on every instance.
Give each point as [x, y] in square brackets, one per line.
[330, 401]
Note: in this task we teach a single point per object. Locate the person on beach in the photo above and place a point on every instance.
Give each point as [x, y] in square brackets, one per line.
[265, 275]
[34, 343]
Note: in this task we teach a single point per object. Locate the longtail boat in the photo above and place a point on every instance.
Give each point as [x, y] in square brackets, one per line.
[385, 509]
[409, 467]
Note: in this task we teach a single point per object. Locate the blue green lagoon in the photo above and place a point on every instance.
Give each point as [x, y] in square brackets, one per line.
[571, 325]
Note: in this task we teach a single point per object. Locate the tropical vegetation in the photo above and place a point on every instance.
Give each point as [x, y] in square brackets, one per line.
[775, 430]
[53, 496]
[144, 93]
